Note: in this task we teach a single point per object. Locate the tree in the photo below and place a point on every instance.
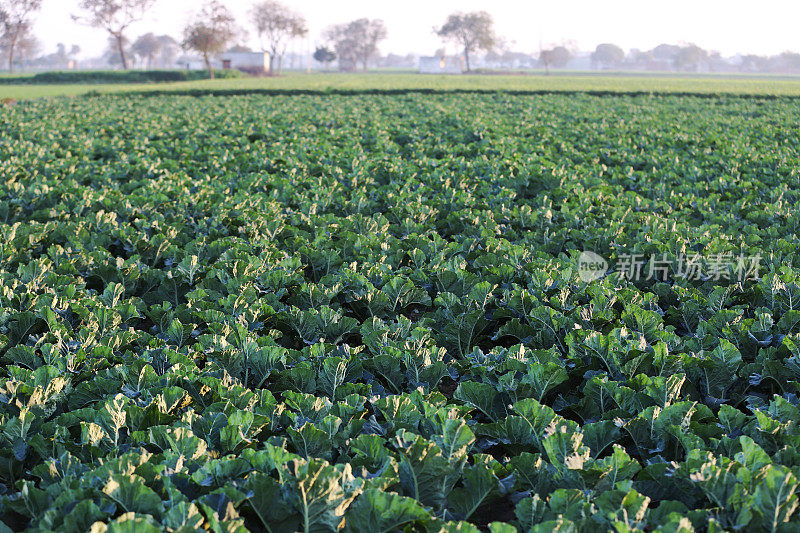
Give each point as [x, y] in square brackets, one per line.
[210, 32]
[16, 25]
[25, 48]
[690, 57]
[608, 55]
[324, 55]
[557, 57]
[169, 51]
[356, 42]
[665, 53]
[754, 63]
[61, 58]
[276, 25]
[788, 62]
[112, 54]
[147, 47]
[114, 16]
[640, 59]
[472, 31]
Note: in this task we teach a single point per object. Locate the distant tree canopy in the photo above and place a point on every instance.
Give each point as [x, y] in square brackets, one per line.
[608, 55]
[324, 55]
[472, 31]
[556, 57]
[665, 52]
[114, 16]
[356, 42]
[147, 46]
[690, 58]
[58, 59]
[151, 47]
[789, 61]
[16, 27]
[210, 33]
[276, 25]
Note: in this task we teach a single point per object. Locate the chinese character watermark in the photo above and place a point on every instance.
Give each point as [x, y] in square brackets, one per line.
[661, 267]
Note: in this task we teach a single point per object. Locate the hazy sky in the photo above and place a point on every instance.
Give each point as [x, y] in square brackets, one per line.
[729, 26]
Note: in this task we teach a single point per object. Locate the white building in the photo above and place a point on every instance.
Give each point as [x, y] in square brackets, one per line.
[251, 62]
[441, 65]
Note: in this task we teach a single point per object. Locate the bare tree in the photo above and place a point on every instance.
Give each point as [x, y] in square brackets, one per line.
[210, 32]
[114, 16]
[26, 47]
[276, 25]
[356, 42]
[15, 25]
[472, 31]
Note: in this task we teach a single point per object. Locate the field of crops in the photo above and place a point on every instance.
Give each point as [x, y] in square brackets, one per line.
[326, 82]
[409, 312]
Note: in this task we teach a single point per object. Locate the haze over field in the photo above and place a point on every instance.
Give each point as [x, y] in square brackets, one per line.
[730, 27]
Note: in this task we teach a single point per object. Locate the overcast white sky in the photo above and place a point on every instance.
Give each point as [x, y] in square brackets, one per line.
[729, 26]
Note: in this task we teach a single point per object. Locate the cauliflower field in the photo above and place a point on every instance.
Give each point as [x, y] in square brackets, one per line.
[376, 313]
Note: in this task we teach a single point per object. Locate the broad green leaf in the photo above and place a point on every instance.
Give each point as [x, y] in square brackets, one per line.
[382, 512]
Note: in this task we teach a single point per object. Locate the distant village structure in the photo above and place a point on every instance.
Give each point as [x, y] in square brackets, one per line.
[255, 63]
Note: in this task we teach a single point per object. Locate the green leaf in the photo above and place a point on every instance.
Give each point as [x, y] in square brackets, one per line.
[481, 396]
[624, 505]
[80, 519]
[455, 439]
[382, 512]
[183, 516]
[665, 390]
[177, 333]
[555, 526]
[132, 495]
[565, 451]
[775, 498]
[318, 494]
[501, 527]
[719, 483]
[600, 435]
[752, 456]
[424, 471]
[128, 523]
[535, 423]
[23, 356]
[618, 466]
[530, 512]
[480, 484]
[266, 500]
[544, 377]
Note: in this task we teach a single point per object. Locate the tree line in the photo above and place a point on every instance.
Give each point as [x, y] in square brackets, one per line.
[213, 29]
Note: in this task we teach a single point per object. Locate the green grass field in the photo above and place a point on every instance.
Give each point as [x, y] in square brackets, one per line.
[567, 82]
